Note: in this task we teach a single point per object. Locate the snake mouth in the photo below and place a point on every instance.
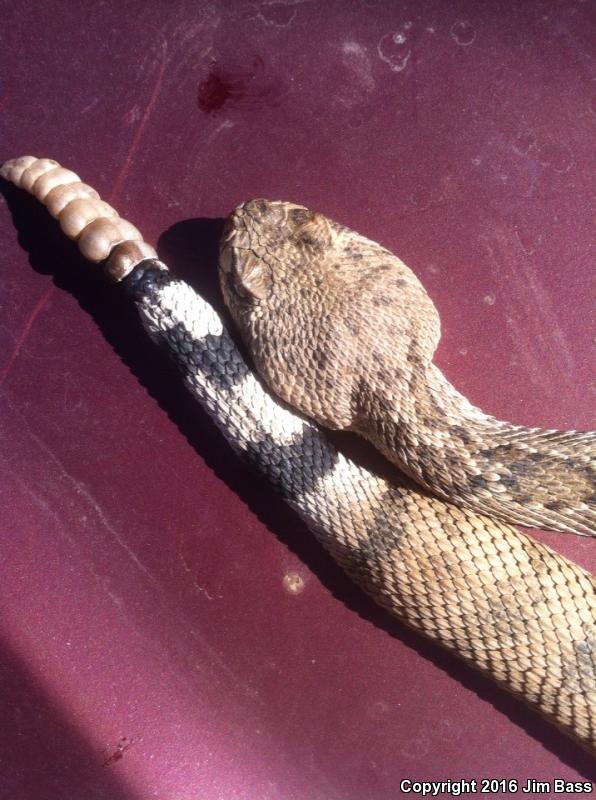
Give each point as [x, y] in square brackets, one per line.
[226, 258]
[234, 236]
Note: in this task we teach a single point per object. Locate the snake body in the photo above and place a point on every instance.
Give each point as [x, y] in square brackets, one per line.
[343, 330]
[504, 603]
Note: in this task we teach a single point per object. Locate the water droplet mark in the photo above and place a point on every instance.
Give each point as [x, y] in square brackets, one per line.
[463, 33]
[378, 709]
[393, 49]
[421, 198]
[524, 143]
[529, 240]
[279, 15]
[417, 747]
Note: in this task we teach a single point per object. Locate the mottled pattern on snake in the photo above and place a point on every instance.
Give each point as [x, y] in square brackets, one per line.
[342, 330]
[504, 603]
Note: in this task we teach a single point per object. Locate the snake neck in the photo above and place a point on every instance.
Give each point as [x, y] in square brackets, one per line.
[529, 476]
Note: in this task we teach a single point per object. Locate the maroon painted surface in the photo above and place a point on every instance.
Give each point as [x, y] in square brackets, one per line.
[148, 647]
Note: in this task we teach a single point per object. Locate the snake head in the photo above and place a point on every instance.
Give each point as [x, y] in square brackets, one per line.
[263, 242]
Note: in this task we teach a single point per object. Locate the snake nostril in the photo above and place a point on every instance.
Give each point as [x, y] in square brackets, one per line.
[256, 208]
[300, 216]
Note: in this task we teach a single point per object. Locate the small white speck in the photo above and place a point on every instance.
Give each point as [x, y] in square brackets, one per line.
[489, 299]
[477, 161]
[399, 38]
[293, 582]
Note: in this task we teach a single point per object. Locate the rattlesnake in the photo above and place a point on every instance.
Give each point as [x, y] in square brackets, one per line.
[504, 603]
[342, 330]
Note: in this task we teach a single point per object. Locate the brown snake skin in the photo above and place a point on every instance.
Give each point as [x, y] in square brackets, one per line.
[342, 330]
[504, 603]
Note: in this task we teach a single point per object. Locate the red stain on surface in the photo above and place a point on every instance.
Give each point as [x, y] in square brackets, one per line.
[123, 745]
[246, 86]
[215, 91]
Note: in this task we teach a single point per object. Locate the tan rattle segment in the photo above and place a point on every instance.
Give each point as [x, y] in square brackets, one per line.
[101, 234]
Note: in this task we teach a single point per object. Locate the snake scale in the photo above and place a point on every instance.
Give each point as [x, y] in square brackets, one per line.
[501, 601]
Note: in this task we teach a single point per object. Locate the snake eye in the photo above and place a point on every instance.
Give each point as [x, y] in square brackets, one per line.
[315, 230]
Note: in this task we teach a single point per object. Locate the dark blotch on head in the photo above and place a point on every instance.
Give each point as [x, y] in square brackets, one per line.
[536, 458]
[300, 216]
[385, 377]
[518, 467]
[381, 300]
[555, 505]
[320, 358]
[461, 433]
[487, 452]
